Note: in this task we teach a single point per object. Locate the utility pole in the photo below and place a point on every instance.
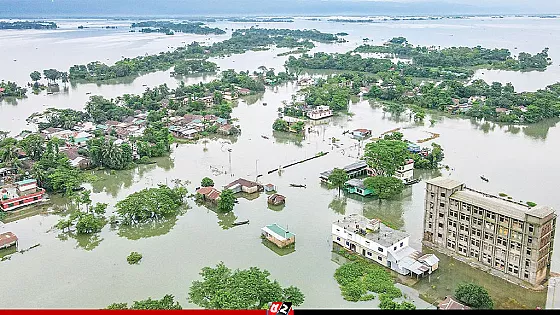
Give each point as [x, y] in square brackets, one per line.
[256, 170]
[229, 153]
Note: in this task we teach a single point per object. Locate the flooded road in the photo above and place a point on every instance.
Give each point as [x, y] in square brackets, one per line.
[70, 272]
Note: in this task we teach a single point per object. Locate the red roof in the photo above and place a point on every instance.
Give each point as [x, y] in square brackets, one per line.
[7, 238]
[450, 304]
[243, 182]
[210, 192]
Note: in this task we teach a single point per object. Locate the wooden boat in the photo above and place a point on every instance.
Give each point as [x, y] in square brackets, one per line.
[264, 104]
[298, 185]
[484, 178]
[412, 181]
[241, 222]
[264, 136]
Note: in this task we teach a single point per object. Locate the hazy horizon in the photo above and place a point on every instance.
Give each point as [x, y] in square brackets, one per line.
[180, 8]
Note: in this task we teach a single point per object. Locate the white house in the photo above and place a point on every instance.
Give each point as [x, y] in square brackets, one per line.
[377, 242]
[320, 112]
[406, 171]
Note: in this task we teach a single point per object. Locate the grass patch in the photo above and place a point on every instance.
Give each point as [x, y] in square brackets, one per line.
[134, 258]
[502, 194]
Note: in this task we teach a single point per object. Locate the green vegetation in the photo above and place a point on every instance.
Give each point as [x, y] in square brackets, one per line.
[359, 278]
[166, 303]
[207, 182]
[384, 187]
[223, 288]
[226, 201]
[460, 56]
[27, 25]
[337, 178]
[474, 296]
[430, 160]
[386, 156]
[86, 219]
[194, 66]
[503, 194]
[151, 204]
[531, 204]
[280, 125]
[11, 89]
[170, 27]
[134, 258]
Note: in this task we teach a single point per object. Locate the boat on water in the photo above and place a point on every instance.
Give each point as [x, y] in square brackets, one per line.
[298, 185]
[484, 178]
[264, 136]
[264, 104]
[412, 181]
[241, 222]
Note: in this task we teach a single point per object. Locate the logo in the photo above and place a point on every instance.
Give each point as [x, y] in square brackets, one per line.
[280, 308]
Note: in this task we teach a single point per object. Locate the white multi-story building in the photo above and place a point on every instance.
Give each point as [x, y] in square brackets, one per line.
[320, 112]
[406, 171]
[375, 241]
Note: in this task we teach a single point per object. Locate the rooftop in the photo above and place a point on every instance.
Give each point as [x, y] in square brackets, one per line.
[242, 182]
[7, 238]
[354, 182]
[210, 192]
[450, 304]
[444, 182]
[502, 206]
[348, 168]
[278, 231]
[385, 236]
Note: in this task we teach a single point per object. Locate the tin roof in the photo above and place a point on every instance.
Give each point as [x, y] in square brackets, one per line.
[278, 231]
[444, 182]
[26, 181]
[7, 238]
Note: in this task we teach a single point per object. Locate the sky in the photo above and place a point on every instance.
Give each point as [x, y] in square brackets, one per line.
[73, 8]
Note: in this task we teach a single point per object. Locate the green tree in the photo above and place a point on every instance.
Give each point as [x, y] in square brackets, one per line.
[34, 146]
[280, 125]
[337, 178]
[166, 303]
[151, 204]
[35, 76]
[384, 187]
[474, 295]
[386, 156]
[223, 288]
[226, 201]
[207, 182]
[89, 223]
[134, 258]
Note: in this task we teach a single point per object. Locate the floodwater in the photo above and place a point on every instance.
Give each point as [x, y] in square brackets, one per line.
[66, 271]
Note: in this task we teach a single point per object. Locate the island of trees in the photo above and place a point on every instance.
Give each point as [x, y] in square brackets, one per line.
[11, 89]
[27, 25]
[171, 27]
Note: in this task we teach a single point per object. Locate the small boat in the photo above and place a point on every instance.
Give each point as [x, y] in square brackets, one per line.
[412, 181]
[88, 93]
[484, 178]
[241, 222]
[264, 136]
[298, 185]
[264, 104]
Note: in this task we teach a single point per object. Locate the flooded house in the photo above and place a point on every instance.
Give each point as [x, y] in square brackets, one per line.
[381, 244]
[356, 169]
[20, 194]
[319, 112]
[276, 200]
[209, 194]
[269, 187]
[356, 186]
[278, 235]
[361, 134]
[405, 172]
[243, 185]
[8, 239]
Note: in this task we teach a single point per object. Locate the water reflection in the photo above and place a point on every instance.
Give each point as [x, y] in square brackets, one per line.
[389, 211]
[149, 229]
[252, 99]
[540, 130]
[85, 241]
[504, 294]
[279, 251]
[288, 138]
[338, 205]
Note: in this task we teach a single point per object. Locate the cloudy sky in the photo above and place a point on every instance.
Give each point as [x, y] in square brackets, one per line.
[273, 7]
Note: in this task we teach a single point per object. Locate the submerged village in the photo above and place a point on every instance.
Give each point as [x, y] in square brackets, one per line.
[50, 166]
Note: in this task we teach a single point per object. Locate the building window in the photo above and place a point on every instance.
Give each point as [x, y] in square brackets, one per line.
[379, 258]
[440, 225]
[443, 194]
[439, 235]
[369, 254]
[395, 248]
[402, 243]
[338, 230]
[338, 238]
[441, 204]
[529, 251]
[429, 225]
[529, 240]
[531, 228]
[526, 275]
[441, 214]
[380, 249]
[347, 243]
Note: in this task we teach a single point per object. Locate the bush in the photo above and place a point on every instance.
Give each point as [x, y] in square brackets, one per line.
[134, 258]
[474, 295]
[531, 204]
[502, 194]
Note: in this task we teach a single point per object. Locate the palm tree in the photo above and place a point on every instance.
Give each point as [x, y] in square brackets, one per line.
[9, 155]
